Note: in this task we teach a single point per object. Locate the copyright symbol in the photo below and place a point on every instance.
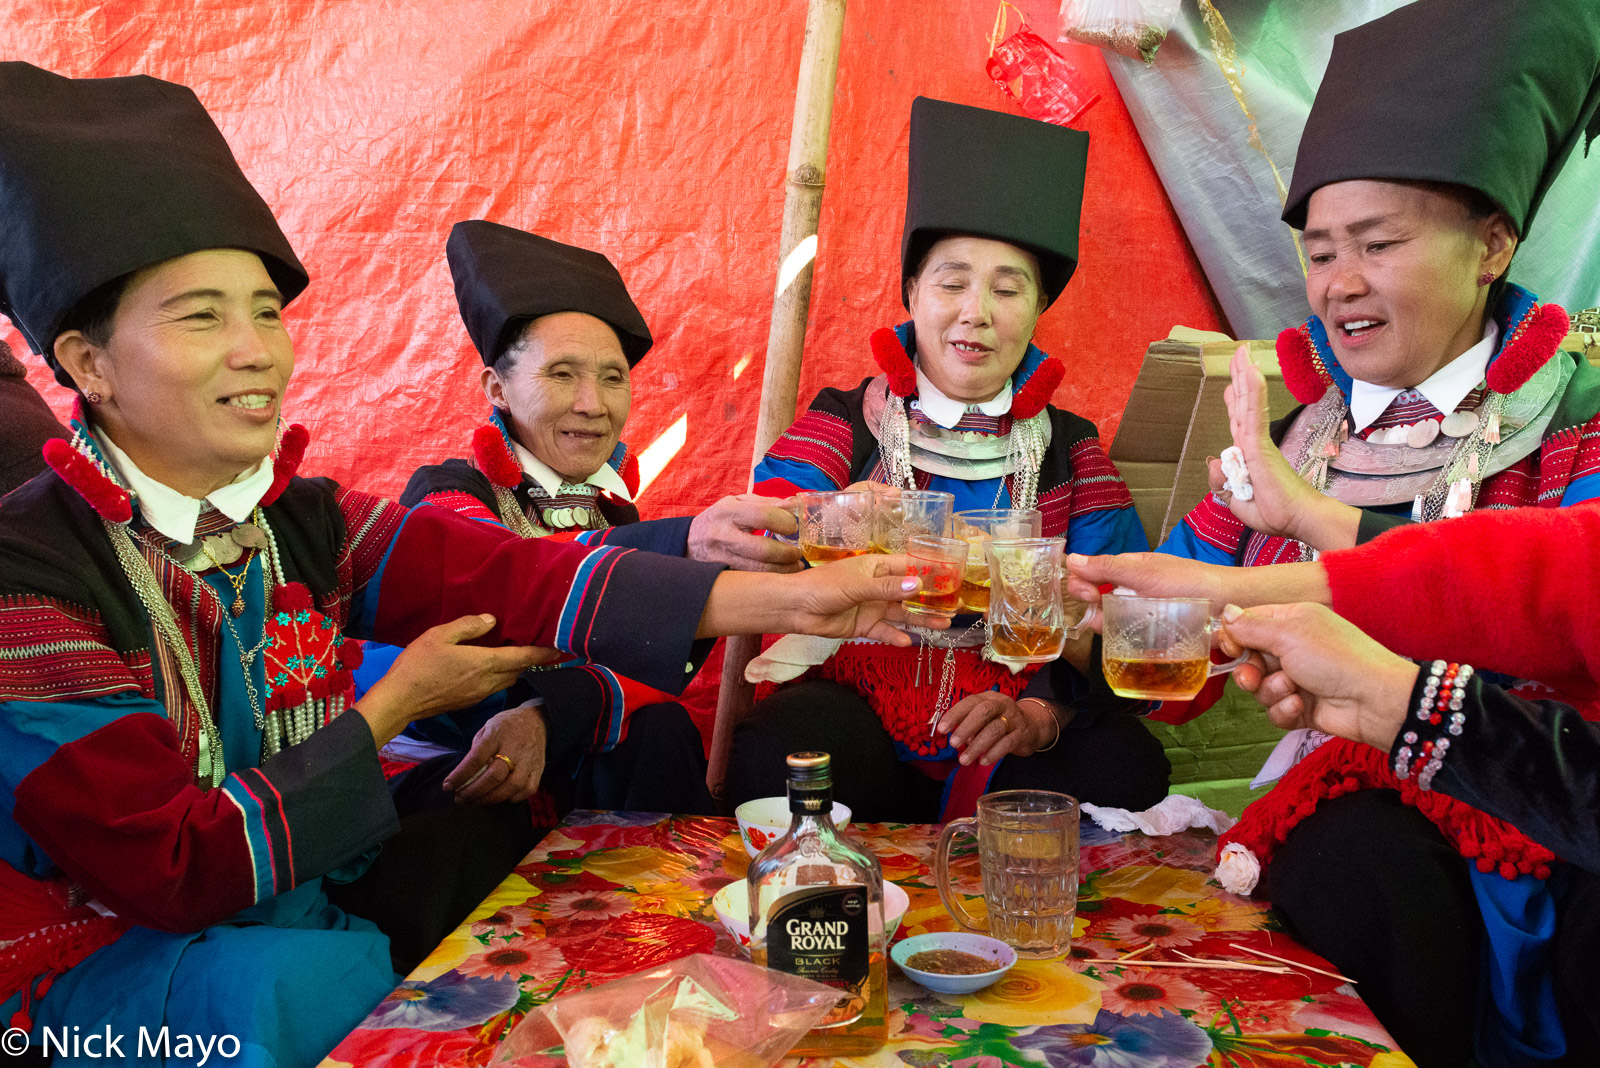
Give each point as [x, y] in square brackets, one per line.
[14, 1042]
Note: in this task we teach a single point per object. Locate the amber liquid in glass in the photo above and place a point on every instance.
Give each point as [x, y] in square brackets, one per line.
[1156, 680]
[827, 554]
[974, 594]
[1014, 640]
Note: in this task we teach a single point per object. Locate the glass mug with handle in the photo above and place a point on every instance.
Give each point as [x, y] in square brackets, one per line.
[1159, 648]
[1027, 614]
[1028, 854]
[834, 524]
[977, 529]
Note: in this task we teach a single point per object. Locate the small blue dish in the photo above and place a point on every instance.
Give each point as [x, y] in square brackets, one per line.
[978, 945]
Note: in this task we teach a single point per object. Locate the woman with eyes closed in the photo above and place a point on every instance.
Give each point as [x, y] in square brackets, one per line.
[1430, 387]
[198, 835]
[962, 406]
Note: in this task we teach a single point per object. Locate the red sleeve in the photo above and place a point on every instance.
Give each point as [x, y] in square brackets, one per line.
[118, 811]
[1513, 591]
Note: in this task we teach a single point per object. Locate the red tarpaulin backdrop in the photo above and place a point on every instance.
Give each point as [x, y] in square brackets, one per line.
[654, 132]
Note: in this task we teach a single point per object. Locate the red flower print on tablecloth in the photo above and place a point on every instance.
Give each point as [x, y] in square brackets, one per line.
[587, 905]
[1163, 930]
[1287, 1050]
[1149, 991]
[637, 941]
[526, 954]
[392, 1048]
[505, 921]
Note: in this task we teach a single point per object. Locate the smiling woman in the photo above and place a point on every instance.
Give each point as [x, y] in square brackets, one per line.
[179, 735]
[1429, 388]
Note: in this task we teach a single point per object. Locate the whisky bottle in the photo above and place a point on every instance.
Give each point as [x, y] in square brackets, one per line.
[816, 910]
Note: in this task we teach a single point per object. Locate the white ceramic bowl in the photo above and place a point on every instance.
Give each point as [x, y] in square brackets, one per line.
[978, 945]
[766, 818]
[732, 906]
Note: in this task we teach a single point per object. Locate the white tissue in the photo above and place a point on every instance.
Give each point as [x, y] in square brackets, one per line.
[1238, 870]
[1177, 812]
[1236, 473]
[789, 657]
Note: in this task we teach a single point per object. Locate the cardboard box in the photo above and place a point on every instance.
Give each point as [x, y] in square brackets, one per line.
[1176, 417]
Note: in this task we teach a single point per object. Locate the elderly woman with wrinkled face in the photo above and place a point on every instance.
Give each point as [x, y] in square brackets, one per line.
[962, 407]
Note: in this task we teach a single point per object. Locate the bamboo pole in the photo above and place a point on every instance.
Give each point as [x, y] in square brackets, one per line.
[791, 304]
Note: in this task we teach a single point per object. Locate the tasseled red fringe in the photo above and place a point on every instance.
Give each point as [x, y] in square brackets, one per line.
[1340, 767]
[44, 937]
[630, 474]
[493, 457]
[1302, 376]
[291, 450]
[1038, 389]
[886, 677]
[1537, 338]
[80, 472]
[893, 361]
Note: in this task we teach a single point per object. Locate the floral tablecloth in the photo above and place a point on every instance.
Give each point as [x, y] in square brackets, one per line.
[607, 894]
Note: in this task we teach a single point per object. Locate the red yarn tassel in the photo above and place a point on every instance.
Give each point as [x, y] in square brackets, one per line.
[1536, 340]
[893, 361]
[1305, 381]
[291, 597]
[79, 472]
[1038, 389]
[630, 474]
[493, 457]
[352, 653]
[284, 465]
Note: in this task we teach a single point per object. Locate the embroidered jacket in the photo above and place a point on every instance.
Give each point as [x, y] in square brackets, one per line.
[1081, 496]
[98, 736]
[1563, 470]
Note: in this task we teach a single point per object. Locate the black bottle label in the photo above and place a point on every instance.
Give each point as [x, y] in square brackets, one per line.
[821, 934]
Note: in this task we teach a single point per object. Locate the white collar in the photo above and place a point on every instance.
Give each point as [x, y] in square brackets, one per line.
[947, 411]
[606, 478]
[174, 514]
[1445, 388]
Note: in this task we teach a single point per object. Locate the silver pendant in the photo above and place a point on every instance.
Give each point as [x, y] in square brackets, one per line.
[248, 536]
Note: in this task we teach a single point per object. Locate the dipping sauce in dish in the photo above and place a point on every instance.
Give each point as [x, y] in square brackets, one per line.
[950, 962]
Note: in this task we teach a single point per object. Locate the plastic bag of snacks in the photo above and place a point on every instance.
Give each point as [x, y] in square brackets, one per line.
[1133, 28]
[1037, 77]
[696, 1012]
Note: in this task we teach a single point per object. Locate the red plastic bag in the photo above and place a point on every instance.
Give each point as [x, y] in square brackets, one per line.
[1038, 77]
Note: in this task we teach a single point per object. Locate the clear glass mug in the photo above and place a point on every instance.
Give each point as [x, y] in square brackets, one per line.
[1028, 853]
[977, 529]
[834, 524]
[898, 514]
[1027, 614]
[1159, 648]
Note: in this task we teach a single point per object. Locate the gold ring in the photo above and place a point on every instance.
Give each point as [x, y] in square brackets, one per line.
[502, 756]
[1005, 721]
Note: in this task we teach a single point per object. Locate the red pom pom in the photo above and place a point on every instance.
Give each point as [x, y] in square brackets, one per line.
[630, 474]
[291, 450]
[291, 597]
[1542, 872]
[1469, 847]
[893, 361]
[1485, 865]
[352, 653]
[1304, 379]
[79, 472]
[1535, 341]
[1038, 389]
[493, 456]
[1508, 870]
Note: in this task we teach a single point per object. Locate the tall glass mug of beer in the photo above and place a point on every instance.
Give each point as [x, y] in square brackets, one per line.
[979, 528]
[1159, 648]
[835, 524]
[1027, 616]
[899, 514]
[1028, 852]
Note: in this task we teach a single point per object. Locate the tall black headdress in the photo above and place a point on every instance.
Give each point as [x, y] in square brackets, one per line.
[102, 176]
[1488, 94]
[989, 174]
[505, 277]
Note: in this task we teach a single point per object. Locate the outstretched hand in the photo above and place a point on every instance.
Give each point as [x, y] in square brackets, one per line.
[854, 598]
[725, 533]
[1316, 669]
[1148, 575]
